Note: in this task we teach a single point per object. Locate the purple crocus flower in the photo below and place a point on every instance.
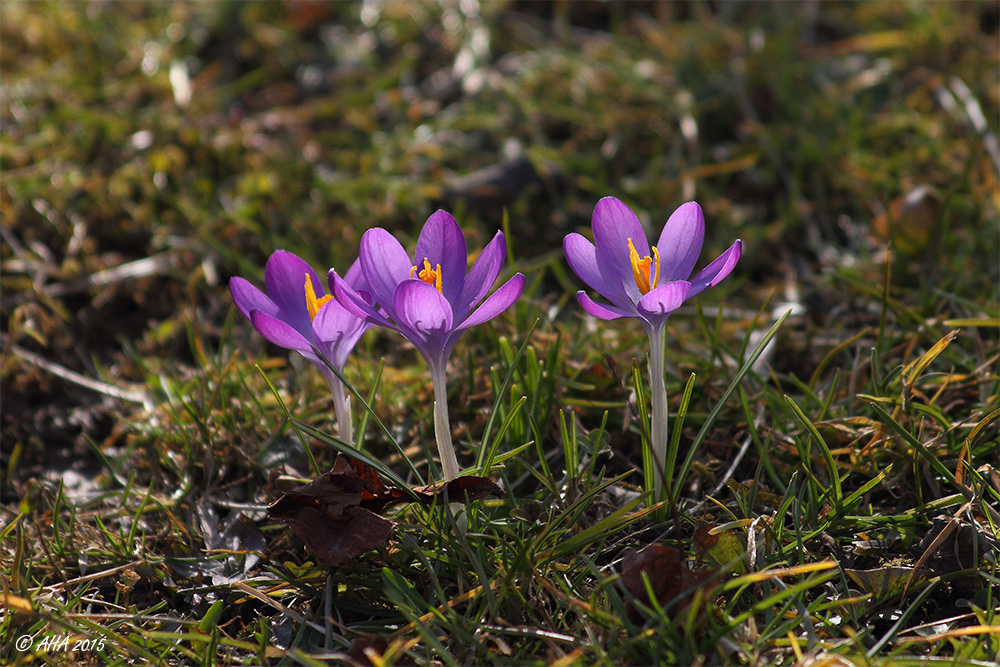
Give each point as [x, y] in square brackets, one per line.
[430, 299]
[297, 314]
[645, 284]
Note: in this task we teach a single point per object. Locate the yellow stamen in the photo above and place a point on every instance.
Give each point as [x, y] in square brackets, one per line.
[312, 303]
[429, 275]
[644, 280]
[656, 274]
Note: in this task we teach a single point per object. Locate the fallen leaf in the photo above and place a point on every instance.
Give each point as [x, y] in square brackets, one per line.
[327, 516]
[338, 515]
[883, 582]
[467, 487]
[669, 577]
[759, 495]
[719, 548]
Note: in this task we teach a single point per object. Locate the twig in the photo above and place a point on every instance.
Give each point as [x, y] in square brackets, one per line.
[140, 268]
[91, 577]
[122, 393]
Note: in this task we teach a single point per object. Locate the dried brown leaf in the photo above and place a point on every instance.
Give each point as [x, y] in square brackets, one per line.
[669, 576]
[328, 517]
[338, 515]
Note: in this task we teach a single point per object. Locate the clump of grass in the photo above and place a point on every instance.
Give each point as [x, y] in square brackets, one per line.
[835, 492]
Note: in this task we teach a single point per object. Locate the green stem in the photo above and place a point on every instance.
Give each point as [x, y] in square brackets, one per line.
[442, 425]
[342, 406]
[658, 396]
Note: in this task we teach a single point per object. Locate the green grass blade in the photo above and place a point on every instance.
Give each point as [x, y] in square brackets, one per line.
[368, 408]
[912, 441]
[675, 434]
[491, 455]
[350, 451]
[831, 465]
[291, 420]
[648, 478]
[501, 394]
[714, 414]
[362, 429]
[851, 500]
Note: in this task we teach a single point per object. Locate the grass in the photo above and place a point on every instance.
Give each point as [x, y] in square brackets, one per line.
[835, 493]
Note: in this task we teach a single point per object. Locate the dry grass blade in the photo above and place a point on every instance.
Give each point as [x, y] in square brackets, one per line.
[126, 394]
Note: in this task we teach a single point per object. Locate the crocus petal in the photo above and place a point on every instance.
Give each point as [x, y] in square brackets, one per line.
[498, 302]
[285, 280]
[422, 313]
[658, 303]
[599, 310]
[714, 273]
[248, 298]
[279, 332]
[355, 303]
[680, 242]
[441, 241]
[337, 330]
[333, 320]
[354, 277]
[384, 263]
[581, 255]
[614, 225]
[482, 275]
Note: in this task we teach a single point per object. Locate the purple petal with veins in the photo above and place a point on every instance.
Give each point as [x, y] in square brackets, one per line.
[441, 241]
[356, 303]
[614, 224]
[680, 242]
[499, 301]
[600, 311]
[248, 298]
[657, 304]
[285, 279]
[482, 275]
[715, 272]
[278, 332]
[582, 258]
[384, 263]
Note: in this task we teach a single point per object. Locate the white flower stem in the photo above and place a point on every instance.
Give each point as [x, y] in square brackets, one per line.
[342, 406]
[442, 424]
[658, 396]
